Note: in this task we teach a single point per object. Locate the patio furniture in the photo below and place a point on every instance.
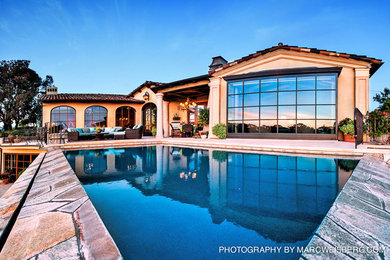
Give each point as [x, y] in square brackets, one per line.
[187, 130]
[119, 136]
[77, 134]
[175, 129]
[135, 133]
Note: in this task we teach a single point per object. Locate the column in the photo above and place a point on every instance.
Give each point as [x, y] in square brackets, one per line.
[159, 101]
[214, 100]
[165, 118]
[362, 98]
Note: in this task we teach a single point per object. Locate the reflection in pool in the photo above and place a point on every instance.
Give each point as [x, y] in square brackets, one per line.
[179, 203]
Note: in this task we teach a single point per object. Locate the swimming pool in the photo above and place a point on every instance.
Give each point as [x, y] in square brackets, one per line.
[183, 203]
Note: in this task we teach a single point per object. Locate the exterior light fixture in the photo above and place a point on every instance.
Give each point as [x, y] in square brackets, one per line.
[146, 96]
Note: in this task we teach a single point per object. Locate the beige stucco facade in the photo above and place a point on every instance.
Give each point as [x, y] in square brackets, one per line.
[81, 107]
[352, 88]
[353, 81]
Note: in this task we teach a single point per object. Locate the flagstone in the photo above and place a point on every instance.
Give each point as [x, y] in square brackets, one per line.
[35, 234]
[64, 250]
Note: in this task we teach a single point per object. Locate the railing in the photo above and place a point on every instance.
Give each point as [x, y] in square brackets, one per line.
[56, 132]
[27, 136]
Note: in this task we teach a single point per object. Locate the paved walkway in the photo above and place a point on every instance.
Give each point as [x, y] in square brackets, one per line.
[4, 188]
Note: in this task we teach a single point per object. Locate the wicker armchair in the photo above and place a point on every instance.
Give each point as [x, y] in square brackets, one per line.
[187, 130]
[175, 131]
[134, 133]
[73, 136]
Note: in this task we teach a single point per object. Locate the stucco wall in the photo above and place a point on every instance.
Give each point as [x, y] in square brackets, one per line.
[353, 81]
[80, 111]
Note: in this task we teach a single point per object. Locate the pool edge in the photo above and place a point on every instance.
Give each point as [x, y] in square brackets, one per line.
[59, 218]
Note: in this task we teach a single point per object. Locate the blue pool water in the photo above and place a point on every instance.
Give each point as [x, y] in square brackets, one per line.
[162, 202]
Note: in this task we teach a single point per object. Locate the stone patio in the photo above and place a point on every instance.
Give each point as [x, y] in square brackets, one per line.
[58, 216]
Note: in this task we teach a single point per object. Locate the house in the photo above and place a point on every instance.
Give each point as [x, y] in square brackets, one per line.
[280, 92]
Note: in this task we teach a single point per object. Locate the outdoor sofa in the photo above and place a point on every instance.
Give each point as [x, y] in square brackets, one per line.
[89, 133]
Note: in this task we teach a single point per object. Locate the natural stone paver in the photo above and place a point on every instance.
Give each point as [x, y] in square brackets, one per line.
[64, 250]
[96, 242]
[34, 210]
[359, 218]
[72, 194]
[71, 207]
[33, 235]
[55, 206]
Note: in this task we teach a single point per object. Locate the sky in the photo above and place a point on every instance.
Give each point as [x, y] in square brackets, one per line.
[113, 46]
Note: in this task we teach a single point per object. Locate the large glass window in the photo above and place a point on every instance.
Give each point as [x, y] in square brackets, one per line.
[304, 104]
[64, 116]
[95, 116]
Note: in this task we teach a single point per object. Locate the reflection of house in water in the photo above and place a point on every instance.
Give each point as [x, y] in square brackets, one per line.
[283, 198]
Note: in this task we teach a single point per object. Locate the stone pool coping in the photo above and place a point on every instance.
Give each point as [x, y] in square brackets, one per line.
[61, 221]
[57, 219]
[227, 144]
[359, 219]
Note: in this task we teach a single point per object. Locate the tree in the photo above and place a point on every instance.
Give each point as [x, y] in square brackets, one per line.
[20, 87]
[383, 98]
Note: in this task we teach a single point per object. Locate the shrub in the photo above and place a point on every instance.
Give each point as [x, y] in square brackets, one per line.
[220, 131]
[377, 123]
[348, 128]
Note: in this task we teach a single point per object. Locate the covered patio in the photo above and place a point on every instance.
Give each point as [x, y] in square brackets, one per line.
[179, 103]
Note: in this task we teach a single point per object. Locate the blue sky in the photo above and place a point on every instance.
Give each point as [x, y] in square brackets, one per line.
[114, 46]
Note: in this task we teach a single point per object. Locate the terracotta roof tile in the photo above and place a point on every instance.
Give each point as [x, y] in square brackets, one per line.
[375, 63]
[88, 98]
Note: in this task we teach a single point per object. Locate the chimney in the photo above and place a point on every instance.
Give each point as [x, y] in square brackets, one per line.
[217, 62]
[51, 90]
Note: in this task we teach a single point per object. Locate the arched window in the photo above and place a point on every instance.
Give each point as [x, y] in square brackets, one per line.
[95, 116]
[125, 116]
[63, 116]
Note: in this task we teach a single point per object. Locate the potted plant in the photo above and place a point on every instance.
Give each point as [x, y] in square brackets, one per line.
[220, 131]
[154, 131]
[203, 134]
[203, 119]
[377, 126]
[347, 126]
[11, 138]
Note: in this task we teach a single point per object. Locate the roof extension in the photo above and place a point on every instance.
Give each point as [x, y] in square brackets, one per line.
[85, 98]
[375, 63]
[145, 84]
[182, 81]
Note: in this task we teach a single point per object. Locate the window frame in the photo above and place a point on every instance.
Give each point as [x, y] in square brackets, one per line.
[67, 115]
[296, 91]
[85, 118]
